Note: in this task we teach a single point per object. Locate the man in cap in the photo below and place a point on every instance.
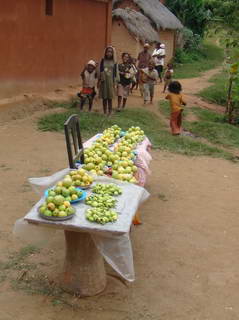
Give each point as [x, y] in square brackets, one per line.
[143, 61]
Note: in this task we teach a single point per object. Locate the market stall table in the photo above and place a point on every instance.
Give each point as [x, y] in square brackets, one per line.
[87, 242]
[83, 268]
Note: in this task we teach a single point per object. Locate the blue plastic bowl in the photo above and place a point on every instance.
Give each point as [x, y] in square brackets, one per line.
[83, 197]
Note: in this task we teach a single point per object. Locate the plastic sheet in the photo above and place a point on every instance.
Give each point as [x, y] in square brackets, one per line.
[112, 239]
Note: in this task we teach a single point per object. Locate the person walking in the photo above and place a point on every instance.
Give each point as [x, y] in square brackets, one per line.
[143, 61]
[168, 76]
[149, 79]
[176, 102]
[158, 56]
[108, 79]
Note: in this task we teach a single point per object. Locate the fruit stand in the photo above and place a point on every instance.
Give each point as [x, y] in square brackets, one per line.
[95, 206]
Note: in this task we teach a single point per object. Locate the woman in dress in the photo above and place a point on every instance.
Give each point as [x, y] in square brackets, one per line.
[108, 79]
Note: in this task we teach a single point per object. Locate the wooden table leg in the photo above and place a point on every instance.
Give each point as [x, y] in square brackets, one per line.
[84, 271]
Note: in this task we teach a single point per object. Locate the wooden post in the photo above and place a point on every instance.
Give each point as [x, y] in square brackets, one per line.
[84, 271]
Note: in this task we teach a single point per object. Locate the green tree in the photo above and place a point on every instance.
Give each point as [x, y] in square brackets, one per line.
[192, 13]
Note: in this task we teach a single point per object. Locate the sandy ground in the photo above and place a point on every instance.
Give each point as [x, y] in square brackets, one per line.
[185, 253]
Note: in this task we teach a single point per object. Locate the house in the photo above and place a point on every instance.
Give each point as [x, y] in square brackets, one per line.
[45, 43]
[130, 30]
[159, 17]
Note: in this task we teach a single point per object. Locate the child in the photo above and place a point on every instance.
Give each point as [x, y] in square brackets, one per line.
[176, 101]
[89, 78]
[135, 79]
[108, 79]
[149, 78]
[126, 74]
[168, 76]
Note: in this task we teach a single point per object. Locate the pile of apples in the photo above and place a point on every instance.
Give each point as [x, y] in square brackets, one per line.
[66, 189]
[101, 215]
[102, 201]
[111, 189]
[98, 158]
[56, 206]
[110, 135]
[124, 171]
[81, 178]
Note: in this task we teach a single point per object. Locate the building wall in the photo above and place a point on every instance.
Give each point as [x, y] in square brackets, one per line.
[168, 38]
[39, 50]
[123, 41]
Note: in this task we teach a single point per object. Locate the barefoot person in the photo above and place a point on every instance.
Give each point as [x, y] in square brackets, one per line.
[89, 80]
[168, 76]
[149, 78]
[126, 73]
[176, 102]
[108, 79]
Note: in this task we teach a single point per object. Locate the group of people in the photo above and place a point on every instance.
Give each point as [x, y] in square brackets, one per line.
[143, 72]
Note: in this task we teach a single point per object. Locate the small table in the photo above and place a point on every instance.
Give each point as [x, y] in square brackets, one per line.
[84, 271]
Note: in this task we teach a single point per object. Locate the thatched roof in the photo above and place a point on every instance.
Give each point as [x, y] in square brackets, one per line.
[137, 24]
[162, 17]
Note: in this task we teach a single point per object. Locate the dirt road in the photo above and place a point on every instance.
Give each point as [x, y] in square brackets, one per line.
[185, 253]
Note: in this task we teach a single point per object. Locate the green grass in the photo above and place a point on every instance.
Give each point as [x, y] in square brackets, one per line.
[209, 57]
[17, 260]
[155, 129]
[210, 125]
[217, 92]
[225, 135]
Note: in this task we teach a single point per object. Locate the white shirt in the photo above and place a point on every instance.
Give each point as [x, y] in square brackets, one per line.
[157, 61]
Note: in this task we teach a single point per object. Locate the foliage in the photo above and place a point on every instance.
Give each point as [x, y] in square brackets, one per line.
[217, 92]
[192, 14]
[191, 41]
[190, 64]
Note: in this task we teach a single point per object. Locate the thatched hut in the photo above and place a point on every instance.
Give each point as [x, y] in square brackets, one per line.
[160, 17]
[130, 30]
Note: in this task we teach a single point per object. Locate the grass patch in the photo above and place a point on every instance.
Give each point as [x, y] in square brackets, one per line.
[217, 133]
[209, 56]
[92, 123]
[208, 115]
[189, 146]
[155, 129]
[16, 261]
[217, 92]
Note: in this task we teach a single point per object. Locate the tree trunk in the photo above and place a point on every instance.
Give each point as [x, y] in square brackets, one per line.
[229, 107]
[84, 271]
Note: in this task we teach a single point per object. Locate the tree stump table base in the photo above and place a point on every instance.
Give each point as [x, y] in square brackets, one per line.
[84, 271]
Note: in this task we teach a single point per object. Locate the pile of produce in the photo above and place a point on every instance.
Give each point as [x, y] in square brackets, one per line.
[118, 163]
[66, 189]
[110, 135]
[101, 215]
[56, 206]
[110, 189]
[101, 201]
[80, 178]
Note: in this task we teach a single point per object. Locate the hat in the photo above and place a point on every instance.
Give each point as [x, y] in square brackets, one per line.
[92, 63]
[162, 46]
[146, 45]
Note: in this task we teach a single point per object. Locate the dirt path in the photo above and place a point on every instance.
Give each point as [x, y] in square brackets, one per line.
[185, 253]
